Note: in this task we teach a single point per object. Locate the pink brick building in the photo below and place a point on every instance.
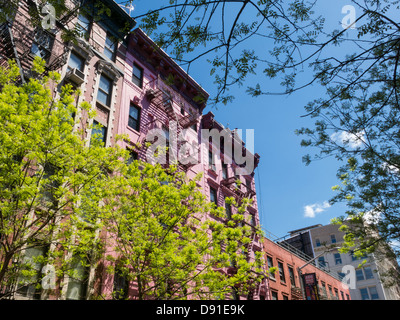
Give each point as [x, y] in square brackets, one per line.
[134, 88]
[150, 102]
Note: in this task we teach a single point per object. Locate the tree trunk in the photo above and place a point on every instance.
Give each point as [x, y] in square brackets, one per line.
[7, 258]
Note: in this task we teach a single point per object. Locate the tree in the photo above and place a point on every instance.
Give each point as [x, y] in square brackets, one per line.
[46, 172]
[357, 114]
[164, 236]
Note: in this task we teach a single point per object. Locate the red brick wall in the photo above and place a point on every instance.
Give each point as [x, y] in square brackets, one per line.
[283, 288]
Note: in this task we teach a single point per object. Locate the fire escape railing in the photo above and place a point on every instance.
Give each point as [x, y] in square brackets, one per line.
[22, 41]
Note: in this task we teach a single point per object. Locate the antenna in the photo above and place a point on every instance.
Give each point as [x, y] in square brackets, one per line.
[130, 8]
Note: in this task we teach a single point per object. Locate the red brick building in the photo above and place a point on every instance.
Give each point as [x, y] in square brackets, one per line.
[285, 282]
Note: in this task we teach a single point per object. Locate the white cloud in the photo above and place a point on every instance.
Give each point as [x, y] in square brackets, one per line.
[354, 140]
[311, 210]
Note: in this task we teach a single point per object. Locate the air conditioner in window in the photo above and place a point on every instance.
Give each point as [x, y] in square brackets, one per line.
[76, 76]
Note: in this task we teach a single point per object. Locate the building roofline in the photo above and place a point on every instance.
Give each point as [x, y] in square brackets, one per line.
[182, 73]
[117, 8]
[293, 232]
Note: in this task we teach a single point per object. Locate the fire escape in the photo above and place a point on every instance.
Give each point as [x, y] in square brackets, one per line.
[162, 97]
[21, 41]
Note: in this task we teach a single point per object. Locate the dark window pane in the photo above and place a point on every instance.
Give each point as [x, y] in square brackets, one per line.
[134, 114]
[99, 133]
[137, 75]
[75, 62]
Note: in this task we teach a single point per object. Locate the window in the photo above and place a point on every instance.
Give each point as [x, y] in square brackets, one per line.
[368, 273]
[359, 275]
[354, 258]
[364, 294]
[228, 210]
[78, 279]
[281, 272]
[83, 26]
[31, 263]
[271, 265]
[338, 259]
[224, 171]
[291, 276]
[373, 293]
[333, 238]
[285, 296]
[323, 288]
[110, 47]
[42, 44]
[342, 295]
[134, 117]
[132, 156]
[137, 75]
[194, 127]
[121, 286]
[76, 62]
[274, 295]
[317, 242]
[248, 184]
[213, 195]
[211, 164]
[104, 93]
[253, 220]
[321, 262]
[52, 183]
[99, 132]
[330, 291]
[337, 294]
[341, 275]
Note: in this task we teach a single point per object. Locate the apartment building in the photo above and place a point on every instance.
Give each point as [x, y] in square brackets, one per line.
[365, 282]
[152, 103]
[297, 277]
[134, 87]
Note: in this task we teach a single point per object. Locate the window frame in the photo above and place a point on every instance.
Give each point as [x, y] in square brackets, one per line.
[85, 28]
[211, 162]
[108, 95]
[78, 56]
[111, 49]
[292, 276]
[137, 121]
[228, 211]
[224, 170]
[214, 192]
[360, 275]
[135, 79]
[270, 259]
[282, 276]
[103, 130]
[42, 44]
[337, 258]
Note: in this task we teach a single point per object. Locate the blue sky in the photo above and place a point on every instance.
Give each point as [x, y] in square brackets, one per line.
[290, 194]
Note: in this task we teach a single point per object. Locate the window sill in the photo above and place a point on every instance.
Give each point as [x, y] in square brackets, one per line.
[212, 172]
[133, 130]
[103, 105]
